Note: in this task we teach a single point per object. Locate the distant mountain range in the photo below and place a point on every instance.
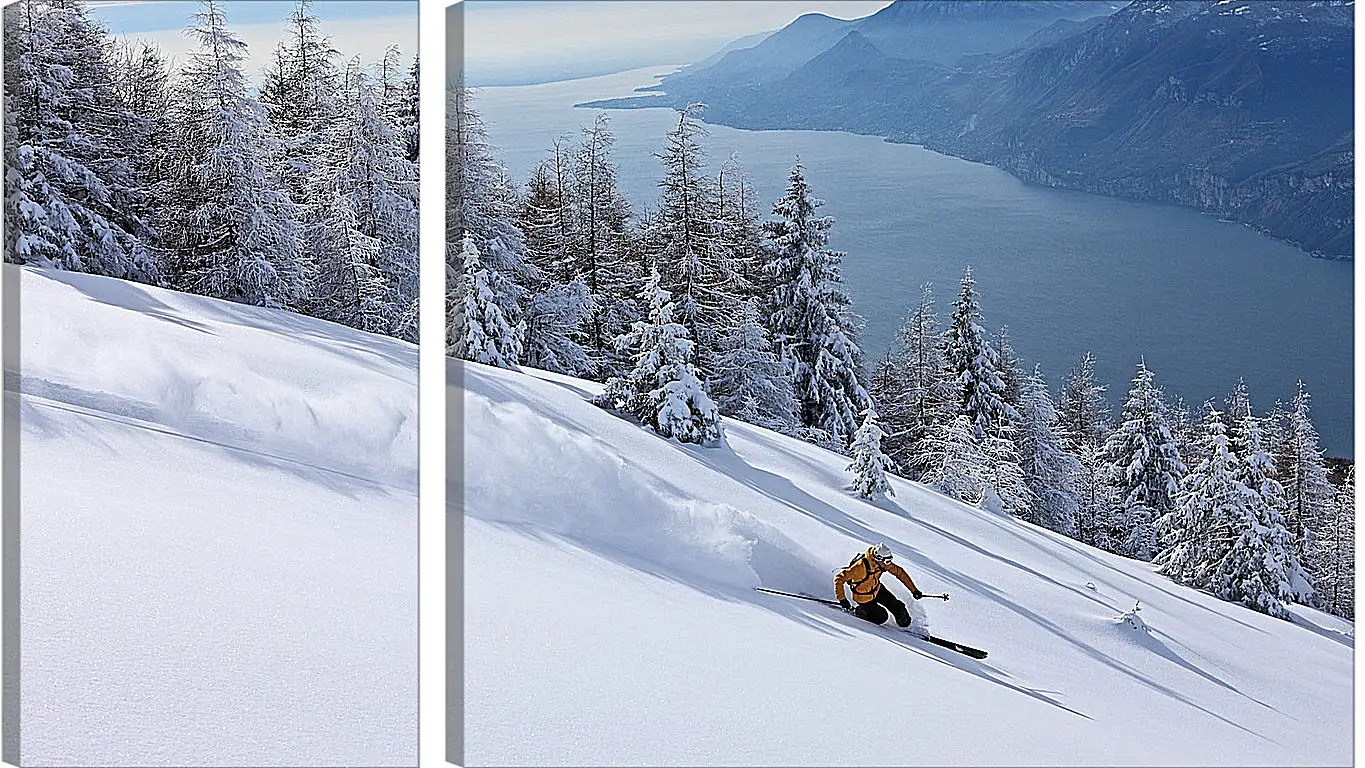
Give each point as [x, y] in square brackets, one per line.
[1240, 108]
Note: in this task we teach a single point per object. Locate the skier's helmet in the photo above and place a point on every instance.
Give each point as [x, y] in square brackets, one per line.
[882, 553]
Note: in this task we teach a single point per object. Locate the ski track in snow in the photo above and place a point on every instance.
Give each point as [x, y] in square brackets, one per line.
[610, 617]
[218, 526]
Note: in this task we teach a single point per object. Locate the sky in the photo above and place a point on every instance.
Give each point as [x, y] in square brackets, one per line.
[356, 27]
[529, 40]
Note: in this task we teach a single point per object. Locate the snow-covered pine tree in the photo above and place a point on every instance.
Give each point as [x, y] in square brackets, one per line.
[389, 86]
[959, 466]
[600, 244]
[409, 114]
[1082, 412]
[974, 364]
[143, 83]
[1185, 429]
[365, 223]
[1335, 552]
[560, 303]
[1224, 536]
[1007, 491]
[749, 382]
[1258, 570]
[554, 319]
[978, 471]
[812, 321]
[740, 231]
[1237, 411]
[1011, 370]
[300, 94]
[1258, 473]
[482, 203]
[663, 390]
[695, 266]
[545, 220]
[1303, 475]
[1083, 419]
[869, 464]
[233, 231]
[1051, 472]
[914, 395]
[886, 388]
[1198, 532]
[489, 336]
[1146, 468]
[72, 195]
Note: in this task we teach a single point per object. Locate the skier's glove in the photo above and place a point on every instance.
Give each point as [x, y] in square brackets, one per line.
[843, 603]
[918, 594]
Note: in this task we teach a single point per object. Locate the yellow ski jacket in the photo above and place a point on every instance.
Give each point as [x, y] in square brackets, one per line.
[863, 576]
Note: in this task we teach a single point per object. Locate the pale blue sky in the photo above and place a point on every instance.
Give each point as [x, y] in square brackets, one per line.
[356, 27]
[503, 36]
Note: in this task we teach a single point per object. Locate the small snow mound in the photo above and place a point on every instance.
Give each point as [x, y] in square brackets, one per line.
[991, 501]
[1090, 585]
[1133, 620]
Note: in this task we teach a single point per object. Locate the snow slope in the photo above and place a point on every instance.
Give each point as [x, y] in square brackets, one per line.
[218, 532]
[610, 618]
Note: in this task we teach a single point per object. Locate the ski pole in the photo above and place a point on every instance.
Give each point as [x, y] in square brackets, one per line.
[943, 596]
[799, 597]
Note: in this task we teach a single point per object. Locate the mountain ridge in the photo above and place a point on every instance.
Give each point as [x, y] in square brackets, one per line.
[1233, 107]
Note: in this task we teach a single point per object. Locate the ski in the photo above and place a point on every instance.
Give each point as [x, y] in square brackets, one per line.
[966, 650]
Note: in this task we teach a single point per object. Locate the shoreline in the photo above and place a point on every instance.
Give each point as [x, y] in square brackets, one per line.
[653, 97]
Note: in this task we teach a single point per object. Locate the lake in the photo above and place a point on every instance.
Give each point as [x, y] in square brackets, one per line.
[1204, 301]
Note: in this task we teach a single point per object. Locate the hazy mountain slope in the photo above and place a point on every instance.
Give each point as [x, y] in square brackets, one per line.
[1242, 108]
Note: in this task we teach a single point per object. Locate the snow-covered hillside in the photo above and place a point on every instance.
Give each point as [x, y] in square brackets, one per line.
[610, 618]
[218, 532]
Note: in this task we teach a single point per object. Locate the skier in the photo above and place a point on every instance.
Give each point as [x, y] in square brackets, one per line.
[863, 575]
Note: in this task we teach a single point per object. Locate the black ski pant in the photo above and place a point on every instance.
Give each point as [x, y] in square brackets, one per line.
[875, 609]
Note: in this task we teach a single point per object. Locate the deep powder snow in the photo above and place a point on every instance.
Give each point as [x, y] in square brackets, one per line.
[218, 513]
[610, 617]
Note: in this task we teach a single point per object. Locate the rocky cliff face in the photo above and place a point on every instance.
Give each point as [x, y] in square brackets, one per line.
[1241, 108]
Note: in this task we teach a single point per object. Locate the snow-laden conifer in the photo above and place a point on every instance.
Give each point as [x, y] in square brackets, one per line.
[693, 262]
[812, 321]
[749, 382]
[1303, 474]
[554, 318]
[1145, 466]
[599, 246]
[1012, 372]
[663, 389]
[737, 215]
[911, 389]
[869, 464]
[974, 364]
[365, 220]
[1335, 552]
[1198, 533]
[482, 203]
[1083, 419]
[234, 231]
[488, 337]
[71, 192]
[1051, 472]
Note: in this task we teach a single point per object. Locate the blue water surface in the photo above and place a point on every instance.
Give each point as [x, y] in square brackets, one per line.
[1204, 301]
